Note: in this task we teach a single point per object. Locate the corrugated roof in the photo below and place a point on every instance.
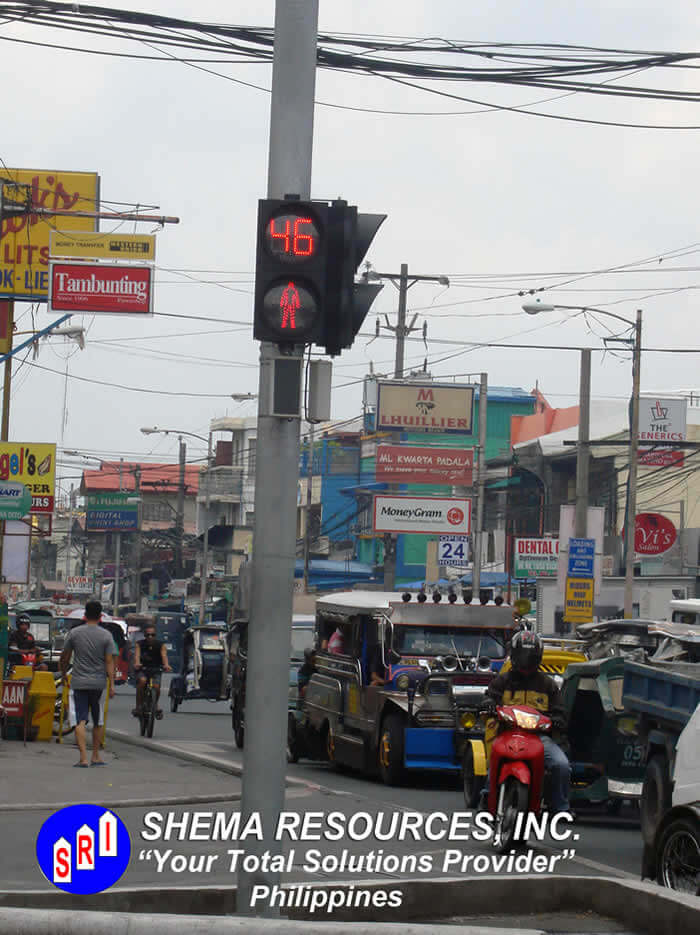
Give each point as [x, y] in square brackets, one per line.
[164, 478]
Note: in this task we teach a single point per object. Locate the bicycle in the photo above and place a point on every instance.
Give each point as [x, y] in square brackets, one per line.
[149, 705]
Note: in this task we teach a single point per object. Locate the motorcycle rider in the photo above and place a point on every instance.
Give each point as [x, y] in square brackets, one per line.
[22, 640]
[524, 684]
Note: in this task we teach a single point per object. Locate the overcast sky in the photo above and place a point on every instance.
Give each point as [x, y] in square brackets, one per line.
[489, 192]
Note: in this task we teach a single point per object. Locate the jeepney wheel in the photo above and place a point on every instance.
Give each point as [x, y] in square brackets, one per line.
[679, 857]
[237, 725]
[472, 784]
[390, 752]
[656, 797]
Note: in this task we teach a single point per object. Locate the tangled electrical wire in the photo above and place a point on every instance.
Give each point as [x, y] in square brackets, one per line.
[570, 69]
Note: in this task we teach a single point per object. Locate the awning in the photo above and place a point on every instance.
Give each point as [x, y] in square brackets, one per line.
[358, 489]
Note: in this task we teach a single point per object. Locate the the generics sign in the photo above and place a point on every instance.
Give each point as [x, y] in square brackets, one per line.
[536, 558]
[425, 407]
[661, 420]
[407, 464]
[426, 515]
[101, 288]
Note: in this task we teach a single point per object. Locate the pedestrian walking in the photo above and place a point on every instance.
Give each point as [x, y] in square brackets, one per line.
[93, 664]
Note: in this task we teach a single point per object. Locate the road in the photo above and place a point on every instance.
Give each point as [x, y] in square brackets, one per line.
[604, 845]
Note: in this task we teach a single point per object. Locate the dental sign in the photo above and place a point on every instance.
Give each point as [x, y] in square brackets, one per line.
[661, 420]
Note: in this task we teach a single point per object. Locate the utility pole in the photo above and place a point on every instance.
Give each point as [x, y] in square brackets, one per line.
[309, 489]
[480, 479]
[277, 468]
[403, 283]
[118, 557]
[632, 475]
[7, 314]
[583, 448]
[69, 543]
[205, 553]
[138, 546]
[180, 517]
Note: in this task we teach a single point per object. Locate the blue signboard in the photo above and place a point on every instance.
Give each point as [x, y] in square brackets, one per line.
[581, 558]
[111, 513]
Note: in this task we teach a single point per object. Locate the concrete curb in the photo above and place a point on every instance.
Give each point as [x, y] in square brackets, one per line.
[639, 906]
[159, 747]
[39, 922]
[126, 803]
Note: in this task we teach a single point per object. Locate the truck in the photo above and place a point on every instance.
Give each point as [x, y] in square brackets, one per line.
[662, 696]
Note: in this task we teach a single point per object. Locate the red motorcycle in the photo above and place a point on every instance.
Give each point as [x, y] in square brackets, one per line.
[517, 773]
[25, 657]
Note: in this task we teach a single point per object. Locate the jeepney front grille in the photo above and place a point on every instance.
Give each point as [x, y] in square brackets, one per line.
[435, 719]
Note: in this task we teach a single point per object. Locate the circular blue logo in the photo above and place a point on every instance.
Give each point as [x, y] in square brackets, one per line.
[83, 849]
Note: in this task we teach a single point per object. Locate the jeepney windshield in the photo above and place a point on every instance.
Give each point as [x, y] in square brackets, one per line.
[441, 641]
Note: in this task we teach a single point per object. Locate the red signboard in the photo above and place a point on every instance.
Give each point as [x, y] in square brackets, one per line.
[14, 694]
[653, 534]
[99, 287]
[662, 457]
[403, 464]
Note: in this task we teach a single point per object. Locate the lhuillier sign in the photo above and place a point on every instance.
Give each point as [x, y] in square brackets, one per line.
[425, 407]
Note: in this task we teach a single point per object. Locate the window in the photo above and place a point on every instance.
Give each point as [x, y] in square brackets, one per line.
[157, 511]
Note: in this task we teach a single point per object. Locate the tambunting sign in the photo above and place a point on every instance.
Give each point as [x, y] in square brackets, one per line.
[24, 237]
[95, 288]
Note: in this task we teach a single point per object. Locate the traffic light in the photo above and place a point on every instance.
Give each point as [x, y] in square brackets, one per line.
[290, 274]
[349, 237]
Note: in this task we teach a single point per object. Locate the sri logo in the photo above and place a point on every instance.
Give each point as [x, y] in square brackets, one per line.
[83, 849]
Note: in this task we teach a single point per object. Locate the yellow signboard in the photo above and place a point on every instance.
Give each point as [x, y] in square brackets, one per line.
[24, 237]
[445, 409]
[33, 465]
[103, 246]
[578, 603]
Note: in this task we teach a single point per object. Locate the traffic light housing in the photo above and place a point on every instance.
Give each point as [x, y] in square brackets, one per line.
[290, 274]
[350, 234]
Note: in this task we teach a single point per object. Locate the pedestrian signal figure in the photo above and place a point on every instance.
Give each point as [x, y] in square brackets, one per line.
[289, 304]
[93, 669]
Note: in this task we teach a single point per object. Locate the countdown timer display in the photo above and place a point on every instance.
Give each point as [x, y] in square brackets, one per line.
[290, 307]
[292, 238]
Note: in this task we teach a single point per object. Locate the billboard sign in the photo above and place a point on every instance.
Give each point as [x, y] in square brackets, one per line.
[654, 534]
[79, 584]
[454, 551]
[102, 246]
[536, 558]
[111, 512]
[15, 500]
[425, 407]
[101, 288]
[662, 420]
[422, 515]
[403, 464]
[34, 466]
[24, 238]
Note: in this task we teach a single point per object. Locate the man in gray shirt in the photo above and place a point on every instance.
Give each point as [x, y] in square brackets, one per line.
[93, 664]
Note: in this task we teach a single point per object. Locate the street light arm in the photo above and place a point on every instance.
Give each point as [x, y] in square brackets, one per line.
[534, 308]
[157, 431]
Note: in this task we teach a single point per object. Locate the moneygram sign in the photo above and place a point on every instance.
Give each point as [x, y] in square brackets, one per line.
[425, 407]
[34, 466]
[24, 237]
[101, 288]
[404, 464]
[536, 558]
[426, 515]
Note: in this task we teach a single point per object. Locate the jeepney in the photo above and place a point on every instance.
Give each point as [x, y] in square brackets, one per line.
[436, 660]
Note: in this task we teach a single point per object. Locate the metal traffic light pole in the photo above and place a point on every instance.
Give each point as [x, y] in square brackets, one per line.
[277, 471]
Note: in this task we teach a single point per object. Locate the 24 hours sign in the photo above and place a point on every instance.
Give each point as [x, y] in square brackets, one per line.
[33, 465]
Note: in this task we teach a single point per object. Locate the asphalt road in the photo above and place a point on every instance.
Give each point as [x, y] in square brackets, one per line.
[610, 846]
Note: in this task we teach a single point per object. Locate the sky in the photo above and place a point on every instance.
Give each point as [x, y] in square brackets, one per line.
[482, 191]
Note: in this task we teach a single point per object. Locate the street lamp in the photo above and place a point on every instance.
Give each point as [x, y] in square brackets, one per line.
[534, 308]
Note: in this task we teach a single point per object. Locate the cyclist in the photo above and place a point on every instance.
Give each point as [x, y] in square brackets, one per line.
[150, 656]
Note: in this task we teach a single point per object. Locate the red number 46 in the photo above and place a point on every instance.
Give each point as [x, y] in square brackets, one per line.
[294, 241]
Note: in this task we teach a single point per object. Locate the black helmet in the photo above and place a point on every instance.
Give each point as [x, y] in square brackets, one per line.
[24, 618]
[526, 652]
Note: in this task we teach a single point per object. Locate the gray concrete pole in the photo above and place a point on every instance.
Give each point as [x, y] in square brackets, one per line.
[583, 450]
[139, 540]
[69, 536]
[401, 323]
[205, 554]
[277, 469]
[309, 492]
[634, 451]
[480, 478]
[118, 555]
[180, 517]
